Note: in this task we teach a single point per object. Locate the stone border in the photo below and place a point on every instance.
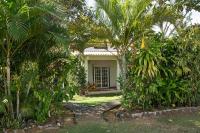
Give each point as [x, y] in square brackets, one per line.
[159, 113]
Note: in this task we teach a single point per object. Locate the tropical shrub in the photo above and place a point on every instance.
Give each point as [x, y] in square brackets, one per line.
[159, 76]
[39, 96]
[81, 76]
[37, 71]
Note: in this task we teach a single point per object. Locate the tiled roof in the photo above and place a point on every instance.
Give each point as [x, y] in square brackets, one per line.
[100, 51]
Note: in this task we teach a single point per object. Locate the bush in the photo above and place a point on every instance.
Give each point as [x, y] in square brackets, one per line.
[40, 95]
[161, 77]
[8, 122]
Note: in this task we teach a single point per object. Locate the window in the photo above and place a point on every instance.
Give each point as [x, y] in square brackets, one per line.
[101, 77]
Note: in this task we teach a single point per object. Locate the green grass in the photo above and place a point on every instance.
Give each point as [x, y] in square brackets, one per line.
[180, 123]
[94, 100]
[171, 124]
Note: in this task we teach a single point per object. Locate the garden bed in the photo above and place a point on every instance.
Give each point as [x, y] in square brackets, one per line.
[117, 114]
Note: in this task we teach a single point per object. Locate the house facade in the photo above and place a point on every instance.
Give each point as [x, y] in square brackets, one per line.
[102, 68]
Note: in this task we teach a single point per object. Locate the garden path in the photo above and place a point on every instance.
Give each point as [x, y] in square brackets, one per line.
[91, 111]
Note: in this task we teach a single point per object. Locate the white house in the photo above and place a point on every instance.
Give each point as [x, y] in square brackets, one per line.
[102, 68]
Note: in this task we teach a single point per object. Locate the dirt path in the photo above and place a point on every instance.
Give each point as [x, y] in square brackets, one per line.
[85, 111]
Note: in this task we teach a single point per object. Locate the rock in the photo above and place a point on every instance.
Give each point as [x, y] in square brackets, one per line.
[120, 115]
[48, 125]
[68, 121]
[137, 115]
[159, 113]
[32, 126]
[145, 114]
[133, 115]
[140, 115]
[52, 128]
[40, 127]
[58, 124]
[150, 114]
[154, 113]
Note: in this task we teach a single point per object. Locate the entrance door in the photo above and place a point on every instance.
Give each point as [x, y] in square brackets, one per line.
[101, 77]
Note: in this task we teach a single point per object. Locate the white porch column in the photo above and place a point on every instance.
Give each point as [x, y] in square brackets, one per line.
[118, 75]
[86, 69]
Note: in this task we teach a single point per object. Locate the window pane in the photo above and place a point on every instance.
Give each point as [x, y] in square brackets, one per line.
[98, 76]
[104, 77]
[101, 76]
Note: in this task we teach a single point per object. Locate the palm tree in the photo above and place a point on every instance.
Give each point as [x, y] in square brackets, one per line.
[120, 18]
[20, 22]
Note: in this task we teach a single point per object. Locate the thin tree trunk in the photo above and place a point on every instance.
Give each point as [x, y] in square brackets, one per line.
[122, 65]
[29, 87]
[17, 109]
[8, 83]
[6, 91]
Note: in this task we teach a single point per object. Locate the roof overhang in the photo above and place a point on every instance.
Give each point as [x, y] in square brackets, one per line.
[100, 51]
[92, 51]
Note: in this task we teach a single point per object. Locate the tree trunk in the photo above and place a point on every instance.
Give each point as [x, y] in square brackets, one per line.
[122, 65]
[17, 109]
[8, 83]
[29, 87]
[5, 86]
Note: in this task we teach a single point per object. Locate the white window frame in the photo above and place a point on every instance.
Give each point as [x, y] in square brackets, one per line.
[101, 76]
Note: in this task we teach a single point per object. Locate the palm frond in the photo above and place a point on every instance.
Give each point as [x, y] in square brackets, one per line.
[17, 29]
[110, 12]
[60, 39]
[50, 9]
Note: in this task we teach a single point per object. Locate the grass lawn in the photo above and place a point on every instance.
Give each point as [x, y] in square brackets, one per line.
[97, 100]
[189, 123]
